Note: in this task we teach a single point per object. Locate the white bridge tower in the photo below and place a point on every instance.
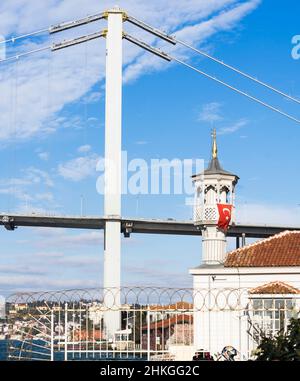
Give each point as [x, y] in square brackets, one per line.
[113, 151]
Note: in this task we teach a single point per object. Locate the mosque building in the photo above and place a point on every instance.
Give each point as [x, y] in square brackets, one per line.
[252, 289]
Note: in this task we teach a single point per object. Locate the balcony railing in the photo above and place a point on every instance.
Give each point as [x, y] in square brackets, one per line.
[208, 213]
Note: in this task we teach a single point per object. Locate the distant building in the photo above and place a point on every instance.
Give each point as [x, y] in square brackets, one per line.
[21, 307]
[86, 335]
[2, 307]
[177, 329]
[163, 312]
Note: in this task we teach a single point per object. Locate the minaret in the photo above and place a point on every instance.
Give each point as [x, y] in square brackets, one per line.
[212, 187]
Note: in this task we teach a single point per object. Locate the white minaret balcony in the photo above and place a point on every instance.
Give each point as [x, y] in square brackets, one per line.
[206, 203]
[207, 214]
[214, 186]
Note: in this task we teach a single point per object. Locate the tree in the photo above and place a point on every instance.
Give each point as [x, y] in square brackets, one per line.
[285, 346]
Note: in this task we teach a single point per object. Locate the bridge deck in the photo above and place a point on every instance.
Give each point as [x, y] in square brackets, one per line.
[133, 225]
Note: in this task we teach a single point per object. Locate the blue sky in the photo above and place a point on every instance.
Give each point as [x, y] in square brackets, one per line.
[52, 132]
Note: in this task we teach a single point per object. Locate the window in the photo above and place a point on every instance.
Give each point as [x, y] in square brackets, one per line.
[270, 315]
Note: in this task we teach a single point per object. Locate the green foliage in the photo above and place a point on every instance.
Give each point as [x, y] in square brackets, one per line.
[283, 346]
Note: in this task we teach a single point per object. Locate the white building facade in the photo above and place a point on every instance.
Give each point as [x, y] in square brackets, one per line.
[252, 290]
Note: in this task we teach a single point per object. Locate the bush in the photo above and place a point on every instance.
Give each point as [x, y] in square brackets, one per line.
[283, 346]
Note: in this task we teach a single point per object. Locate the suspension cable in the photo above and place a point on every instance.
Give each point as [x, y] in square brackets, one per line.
[235, 89]
[169, 38]
[237, 71]
[16, 57]
[169, 57]
[57, 28]
[13, 39]
[173, 39]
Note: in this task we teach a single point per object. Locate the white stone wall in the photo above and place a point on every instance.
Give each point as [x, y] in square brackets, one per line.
[216, 329]
[224, 326]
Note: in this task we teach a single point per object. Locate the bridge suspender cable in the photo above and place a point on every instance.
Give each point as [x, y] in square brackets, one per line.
[159, 53]
[16, 57]
[238, 71]
[169, 38]
[236, 90]
[173, 40]
[13, 39]
[58, 46]
[168, 57]
[59, 27]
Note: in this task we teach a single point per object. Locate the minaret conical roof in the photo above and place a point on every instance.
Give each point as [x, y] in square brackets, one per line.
[214, 166]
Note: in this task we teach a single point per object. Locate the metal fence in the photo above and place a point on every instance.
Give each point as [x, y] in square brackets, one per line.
[142, 323]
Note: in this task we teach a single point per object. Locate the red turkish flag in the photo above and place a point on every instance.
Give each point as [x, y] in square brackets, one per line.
[224, 216]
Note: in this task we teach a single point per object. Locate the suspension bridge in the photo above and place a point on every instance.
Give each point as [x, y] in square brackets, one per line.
[112, 222]
[136, 225]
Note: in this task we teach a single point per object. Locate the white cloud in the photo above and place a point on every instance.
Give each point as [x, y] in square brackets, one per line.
[59, 238]
[48, 196]
[29, 282]
[84, 148]
[43, 155]
[94, 238]
[196, 34]
[233, 127]
[46, 259]
[16, 192]
[23, 16]
[36, 175]
[79, 168]
[92, 97]
[152, 276]
[32, 208]
[32, 175]
[211, 112]
[65, 73]
[91, 262]
[141, 142]
[265, 214]
[22, 188]
[47, 254]
[21, 269]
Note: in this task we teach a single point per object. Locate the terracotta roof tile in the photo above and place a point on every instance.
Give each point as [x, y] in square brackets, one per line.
[280, 250]
[275, 288]
[182, 305]
[166, 323]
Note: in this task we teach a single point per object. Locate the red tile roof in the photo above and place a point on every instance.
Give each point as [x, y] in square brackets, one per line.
[165, 324]
[88, 335]
[182, 305]
[275, 288]
[280, 250]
